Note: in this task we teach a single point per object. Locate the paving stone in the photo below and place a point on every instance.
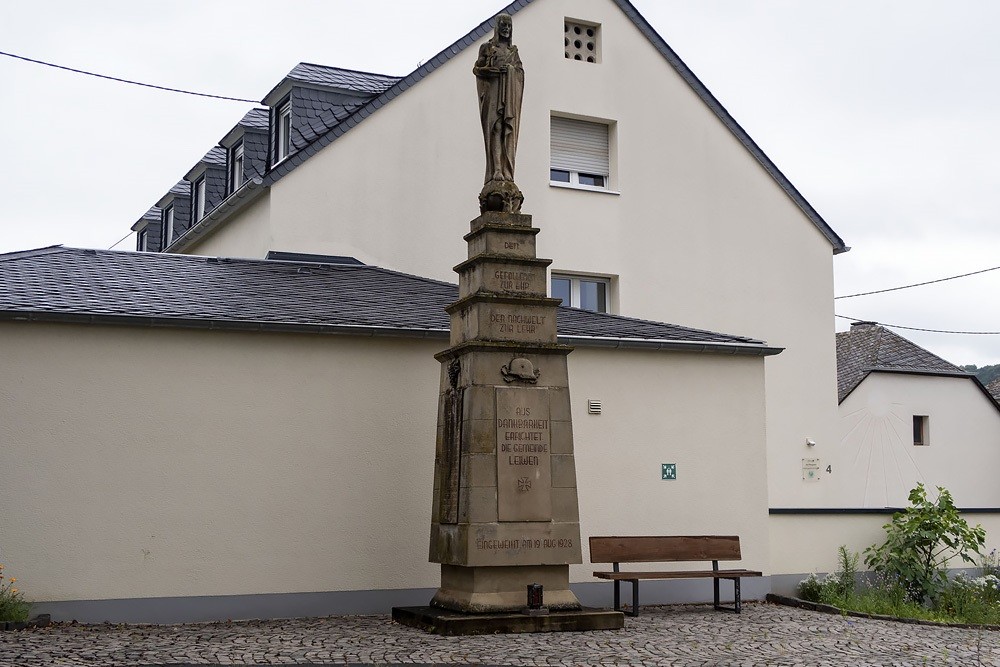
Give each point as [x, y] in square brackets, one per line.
[682, 636]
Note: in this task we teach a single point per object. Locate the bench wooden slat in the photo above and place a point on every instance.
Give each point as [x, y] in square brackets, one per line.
[719, 574]
[649, 549]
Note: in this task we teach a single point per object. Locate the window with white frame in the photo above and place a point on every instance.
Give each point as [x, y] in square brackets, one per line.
[586, 292]
[236, 167]
[168, 226]
[283, 132]
[921, 430]
[198, 192]
[580, 153]
[142, 240]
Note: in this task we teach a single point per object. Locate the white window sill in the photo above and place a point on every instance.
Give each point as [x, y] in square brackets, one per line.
[587, 188]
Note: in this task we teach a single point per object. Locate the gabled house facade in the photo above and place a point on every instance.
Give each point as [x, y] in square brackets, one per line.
[907, 417]
[655, 202]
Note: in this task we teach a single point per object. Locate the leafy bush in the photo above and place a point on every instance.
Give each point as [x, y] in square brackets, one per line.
[921, 540]
[12, 604]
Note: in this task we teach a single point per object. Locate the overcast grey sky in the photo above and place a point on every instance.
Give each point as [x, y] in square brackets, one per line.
[882, 112]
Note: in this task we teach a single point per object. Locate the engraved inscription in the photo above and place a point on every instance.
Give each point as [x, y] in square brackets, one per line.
[511, 323]
[512, 279]
[524, 464]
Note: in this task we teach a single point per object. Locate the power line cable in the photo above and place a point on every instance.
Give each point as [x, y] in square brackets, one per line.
[929, 282]
[134, 83]
[944, 331]
[112, 247]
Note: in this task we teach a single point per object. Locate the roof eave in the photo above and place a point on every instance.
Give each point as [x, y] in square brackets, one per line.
[367, 331]
[230, 206]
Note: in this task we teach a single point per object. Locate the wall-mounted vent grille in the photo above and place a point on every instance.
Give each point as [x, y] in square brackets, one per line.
[582, 41]
[594, 406]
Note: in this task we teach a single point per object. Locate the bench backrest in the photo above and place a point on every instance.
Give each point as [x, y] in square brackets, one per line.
[664, 549]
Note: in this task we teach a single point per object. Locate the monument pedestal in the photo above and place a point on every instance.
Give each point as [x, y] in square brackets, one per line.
[505, 513]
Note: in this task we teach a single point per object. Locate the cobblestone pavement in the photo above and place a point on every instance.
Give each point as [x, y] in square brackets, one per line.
[678, 635]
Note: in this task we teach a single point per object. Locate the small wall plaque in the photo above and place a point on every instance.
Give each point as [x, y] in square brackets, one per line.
[668, 471]
[810, 470]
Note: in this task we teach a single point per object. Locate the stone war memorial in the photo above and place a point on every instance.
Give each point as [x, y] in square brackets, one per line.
[505, 523]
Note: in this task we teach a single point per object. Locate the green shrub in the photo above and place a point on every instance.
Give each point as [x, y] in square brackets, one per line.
[12, 604]
[921, 540]
[835, 586]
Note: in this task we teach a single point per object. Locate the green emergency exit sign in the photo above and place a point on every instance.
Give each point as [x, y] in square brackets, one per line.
[668, 470]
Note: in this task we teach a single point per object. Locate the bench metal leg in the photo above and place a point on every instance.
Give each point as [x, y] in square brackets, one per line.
[618, 595]
[737, 604]
[635, 597]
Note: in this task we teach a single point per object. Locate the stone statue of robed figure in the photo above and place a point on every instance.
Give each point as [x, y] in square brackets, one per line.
[500, 82]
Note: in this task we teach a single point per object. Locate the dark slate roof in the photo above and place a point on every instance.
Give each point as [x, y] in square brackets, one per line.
[153, 289]
[154, 213]
[396, 86]
[255, 119]
[994, 389]
[366, 83]
[180, 188]
[216, 156]
[869, 347]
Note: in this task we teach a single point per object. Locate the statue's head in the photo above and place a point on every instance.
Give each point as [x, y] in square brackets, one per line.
[504, 27]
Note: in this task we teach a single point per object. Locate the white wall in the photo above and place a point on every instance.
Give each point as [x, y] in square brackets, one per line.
[699, 235]
[876, 463]
[152, 462]
[801, 544]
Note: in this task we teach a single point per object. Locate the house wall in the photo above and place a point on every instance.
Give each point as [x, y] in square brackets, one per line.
[876, 463]
[244, 234]
[161, 466]
[806, 543]
[696, 232]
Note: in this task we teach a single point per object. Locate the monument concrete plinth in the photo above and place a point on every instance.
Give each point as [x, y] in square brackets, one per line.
[505, 509]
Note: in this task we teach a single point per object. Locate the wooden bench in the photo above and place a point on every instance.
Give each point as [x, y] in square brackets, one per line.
[674, 549]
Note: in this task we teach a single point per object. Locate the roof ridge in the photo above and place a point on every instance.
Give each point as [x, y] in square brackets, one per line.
[32, 252]
[348, 69]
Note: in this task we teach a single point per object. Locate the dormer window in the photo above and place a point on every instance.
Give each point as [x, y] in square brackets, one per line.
[283, 131]
[142, 240]
[198, 199]
[236, 167]
[168, 226]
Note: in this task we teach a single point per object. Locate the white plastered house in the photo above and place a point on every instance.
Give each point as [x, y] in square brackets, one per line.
[653, 204]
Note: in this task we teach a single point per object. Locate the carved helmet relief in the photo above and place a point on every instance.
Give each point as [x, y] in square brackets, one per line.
[520, 369]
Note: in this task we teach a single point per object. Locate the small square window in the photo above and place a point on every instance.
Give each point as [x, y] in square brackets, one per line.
[921, 430]
[582, 41]
[584, 292]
